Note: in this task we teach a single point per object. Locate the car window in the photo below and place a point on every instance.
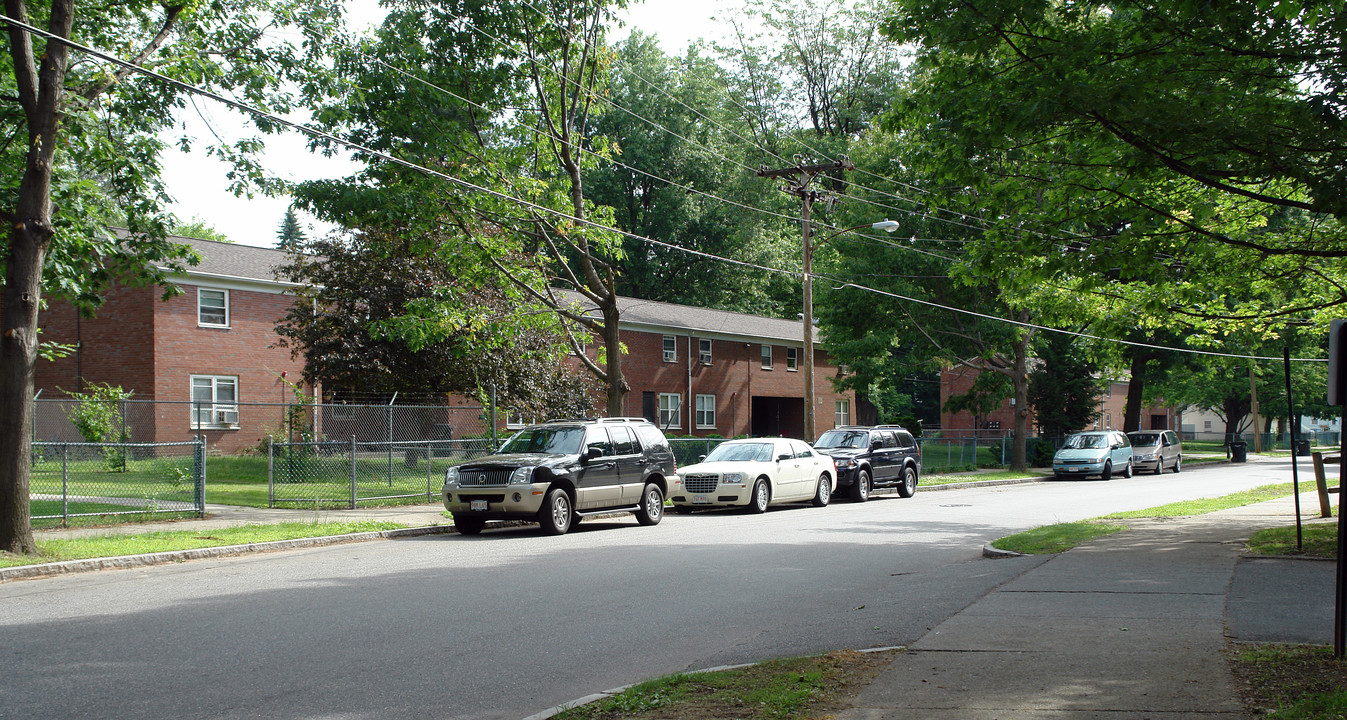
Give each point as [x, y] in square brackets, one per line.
[905, 440]
[889, 440]
[741, 452]
[1144, 438]
[652, 439]
[801, 450]
[597, 437]
[624, 442]
[843, 439]
[554, 440]
[1086, 442]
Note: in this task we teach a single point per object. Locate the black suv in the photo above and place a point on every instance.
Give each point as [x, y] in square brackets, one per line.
[561, 470]
[868, 457]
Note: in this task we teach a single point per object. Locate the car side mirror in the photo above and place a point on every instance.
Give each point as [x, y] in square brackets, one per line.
[591, 454]
[876, 444]
[782, 456]
[701, 458]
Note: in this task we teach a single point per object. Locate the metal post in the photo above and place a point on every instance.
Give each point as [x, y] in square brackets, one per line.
[390, 437]
[352, 472]
[1295, 466]
[271, 471]
[65, 484]
[199, 461]
[494, 443]
[430, 477]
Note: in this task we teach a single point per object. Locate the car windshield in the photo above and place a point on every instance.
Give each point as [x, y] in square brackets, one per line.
[554, 441]
[843, 439]
[741, 452]
[1145, 438]
[1086, 442]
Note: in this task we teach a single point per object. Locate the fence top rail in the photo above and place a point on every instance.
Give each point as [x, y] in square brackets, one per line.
[58, 443]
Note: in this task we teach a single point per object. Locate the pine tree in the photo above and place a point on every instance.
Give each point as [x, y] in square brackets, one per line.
[290, 236]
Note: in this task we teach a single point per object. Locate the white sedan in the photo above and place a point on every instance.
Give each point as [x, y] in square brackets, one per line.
[754, 474]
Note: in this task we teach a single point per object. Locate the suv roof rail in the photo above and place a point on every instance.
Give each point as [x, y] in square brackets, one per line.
[624, 419]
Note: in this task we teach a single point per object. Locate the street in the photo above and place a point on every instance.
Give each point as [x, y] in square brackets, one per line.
[509, 623]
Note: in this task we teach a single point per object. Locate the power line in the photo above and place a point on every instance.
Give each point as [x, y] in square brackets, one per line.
[271, 117]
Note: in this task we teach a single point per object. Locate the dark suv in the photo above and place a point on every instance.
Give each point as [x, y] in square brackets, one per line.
[868, 457]
[559, 471]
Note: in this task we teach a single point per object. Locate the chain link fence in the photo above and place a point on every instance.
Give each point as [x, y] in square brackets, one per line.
[115, 482]
[356, 473]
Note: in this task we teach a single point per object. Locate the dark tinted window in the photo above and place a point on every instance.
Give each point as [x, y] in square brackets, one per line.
[597, 437]
[624, 442]
[651, 438]
[905, 440]
[888, 439]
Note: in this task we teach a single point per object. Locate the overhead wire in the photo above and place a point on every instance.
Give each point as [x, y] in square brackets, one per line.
[317, 133]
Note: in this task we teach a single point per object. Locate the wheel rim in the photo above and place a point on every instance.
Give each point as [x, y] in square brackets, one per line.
[561, 510]
[909, 480]
[864, 485]
[760, 496]
[824, 488]
[654, 504]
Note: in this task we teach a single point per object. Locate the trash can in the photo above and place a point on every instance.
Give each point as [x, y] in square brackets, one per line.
[1239, 452]
[1303, 448]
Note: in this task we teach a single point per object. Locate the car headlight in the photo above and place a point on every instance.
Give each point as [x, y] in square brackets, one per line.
[845, 462]
[732, 478]
[451, 476]
[521, 476]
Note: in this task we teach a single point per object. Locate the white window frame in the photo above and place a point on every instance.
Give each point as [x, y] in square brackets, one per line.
[706, 412]
[792, 359]
[766, 356]
[670, 410]
[199, 307]
[842, 412]
[218, 414]
[704, 350]
[670, 348]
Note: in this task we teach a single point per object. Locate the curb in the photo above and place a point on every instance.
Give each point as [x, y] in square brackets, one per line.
[67, 567]
[995, 553]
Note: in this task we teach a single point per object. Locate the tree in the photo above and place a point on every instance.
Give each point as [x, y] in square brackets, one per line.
[356, 325]
[289, 237]
[1063, 387]
[1190, 150]
[84, 149]
[198, 228]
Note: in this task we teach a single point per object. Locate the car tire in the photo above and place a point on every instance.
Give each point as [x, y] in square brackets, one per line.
[1160, 466]
[860, 489]
[824, 492]
[556, 514]
[1107, 474]
[652, 505]
[1177, 461]
[1127, 471]
[468, 525]
[907, 487]
[760, 499]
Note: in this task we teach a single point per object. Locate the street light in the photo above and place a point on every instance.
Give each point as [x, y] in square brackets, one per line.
[808, 283]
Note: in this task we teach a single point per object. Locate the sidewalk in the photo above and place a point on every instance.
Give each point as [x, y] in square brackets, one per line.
[1132, 625]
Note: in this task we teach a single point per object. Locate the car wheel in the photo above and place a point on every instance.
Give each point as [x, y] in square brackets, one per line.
[1108, 471]
[1160, 466]
[908, 487]
[1127, 471]
[860, 490]
[1177, 460]
[555, 515]
[467, 524]
[824, 492]
[762, 496]
[652, 506]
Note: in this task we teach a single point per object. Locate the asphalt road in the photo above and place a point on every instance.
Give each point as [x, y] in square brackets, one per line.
[509, 623]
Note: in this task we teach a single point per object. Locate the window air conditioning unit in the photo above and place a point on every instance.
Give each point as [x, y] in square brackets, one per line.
[226, 417]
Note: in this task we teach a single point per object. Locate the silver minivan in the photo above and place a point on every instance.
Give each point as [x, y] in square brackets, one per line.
[1156, 450]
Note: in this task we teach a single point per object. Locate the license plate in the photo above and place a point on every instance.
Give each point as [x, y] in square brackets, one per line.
[701, 500]
[1076, 469]
[477, 505]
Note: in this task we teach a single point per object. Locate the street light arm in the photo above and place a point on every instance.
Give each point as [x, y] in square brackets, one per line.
[885, 225]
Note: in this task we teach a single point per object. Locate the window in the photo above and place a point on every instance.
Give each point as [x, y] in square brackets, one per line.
[515, 421]
[1206, 426]
[842, 413]
[670, 348]
[215, 401]
[792, 359]
[212, 307]
[766, 357]
[597, 437]
[704, 351]
[624, 442]
[706, 411]
[670, 407]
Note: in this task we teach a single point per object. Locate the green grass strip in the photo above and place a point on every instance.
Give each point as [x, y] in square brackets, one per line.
[152, 542]
[1318, 540]
[1064, 536]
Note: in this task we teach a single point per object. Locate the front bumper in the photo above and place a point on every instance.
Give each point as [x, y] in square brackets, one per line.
[499, 502]
[722, 495]
[1065, 469]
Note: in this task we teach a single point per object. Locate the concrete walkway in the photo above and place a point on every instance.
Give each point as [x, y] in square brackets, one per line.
[1128, 626]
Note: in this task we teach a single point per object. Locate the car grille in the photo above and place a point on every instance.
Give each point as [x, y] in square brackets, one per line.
[700, 483]
[1078, 462]
[483, 478]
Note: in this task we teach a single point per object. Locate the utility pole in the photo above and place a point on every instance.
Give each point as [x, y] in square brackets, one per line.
[798, 179]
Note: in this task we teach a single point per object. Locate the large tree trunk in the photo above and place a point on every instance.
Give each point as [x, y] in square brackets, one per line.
[40, 94]
[1135, 385]
[617, 386]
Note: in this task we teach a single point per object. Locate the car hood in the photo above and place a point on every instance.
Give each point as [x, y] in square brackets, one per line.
[719, 468]
[1080, 454]
[840, 452]
[516, 460]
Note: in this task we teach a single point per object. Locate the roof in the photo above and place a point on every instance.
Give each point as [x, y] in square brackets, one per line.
[244, 262]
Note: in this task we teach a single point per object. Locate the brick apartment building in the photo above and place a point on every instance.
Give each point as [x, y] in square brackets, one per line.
[207, 353]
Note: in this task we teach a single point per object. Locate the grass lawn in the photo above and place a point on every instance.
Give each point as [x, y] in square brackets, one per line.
[152, 542]
[1290, 682]
[951, 478]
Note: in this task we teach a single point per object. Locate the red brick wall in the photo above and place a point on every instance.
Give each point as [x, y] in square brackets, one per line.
[114, 345]
[246, 350]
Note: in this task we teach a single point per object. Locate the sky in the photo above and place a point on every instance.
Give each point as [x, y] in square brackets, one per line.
[198, 183]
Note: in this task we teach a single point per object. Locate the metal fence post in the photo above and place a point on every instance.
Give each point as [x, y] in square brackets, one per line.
[65, 484]
[352, 472]
[199, 460]
[271, 471]
[430, 476]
